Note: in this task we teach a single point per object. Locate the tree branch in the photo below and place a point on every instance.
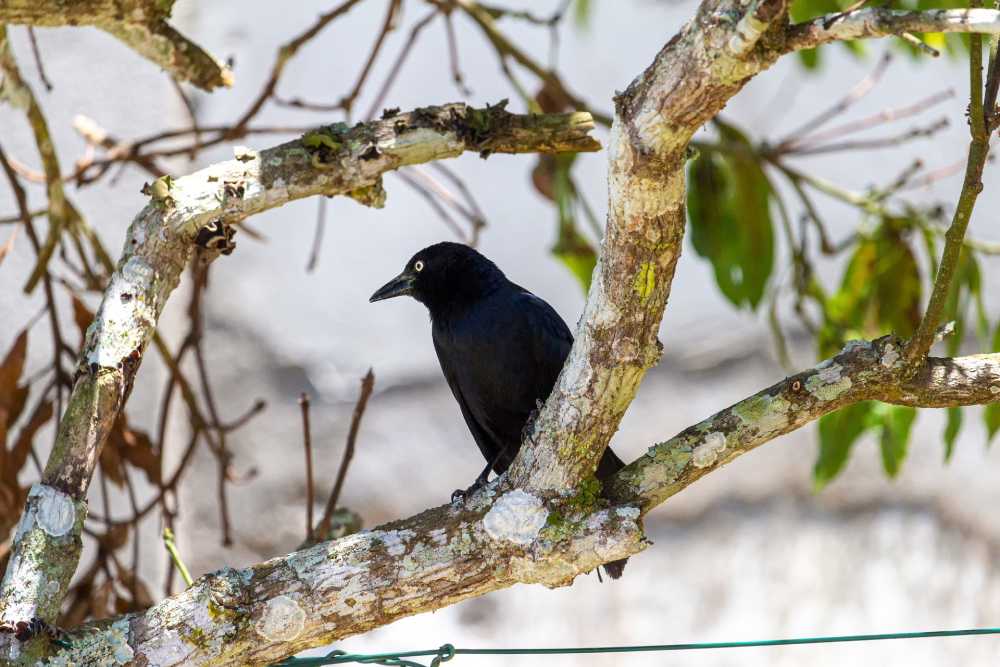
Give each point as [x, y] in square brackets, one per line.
[200, 209]
[881, 22]
[690, 80]
[337, 589]
[333, 590]
[140, 24]
[861, 371]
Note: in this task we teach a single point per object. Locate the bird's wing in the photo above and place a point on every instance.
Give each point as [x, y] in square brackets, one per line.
[452, 361]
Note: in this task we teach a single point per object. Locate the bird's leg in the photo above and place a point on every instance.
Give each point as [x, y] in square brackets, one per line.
[484, 476]
[529, 425]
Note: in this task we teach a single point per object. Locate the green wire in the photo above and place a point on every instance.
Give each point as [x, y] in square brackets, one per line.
[447, 651]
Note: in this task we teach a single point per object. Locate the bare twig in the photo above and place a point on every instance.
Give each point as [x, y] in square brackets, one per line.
[307, 446]
[168, 542]
[367, 385]
[38, 59]
[979, 147]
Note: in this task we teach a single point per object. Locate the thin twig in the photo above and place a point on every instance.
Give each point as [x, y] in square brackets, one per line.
[367, 385]
[36, 52]
[979, 147]
[168, 542]
[859, 90]
[307, 445]
[318, 236]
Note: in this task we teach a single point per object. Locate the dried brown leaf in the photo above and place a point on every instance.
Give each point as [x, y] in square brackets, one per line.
[11, 368]
[135, 447]
[8, 246]
[82, 316]
[18, 454]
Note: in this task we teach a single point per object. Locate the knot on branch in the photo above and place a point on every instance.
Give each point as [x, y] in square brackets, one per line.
[216, 238]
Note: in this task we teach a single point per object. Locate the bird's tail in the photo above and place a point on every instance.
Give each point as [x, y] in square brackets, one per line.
[609, 465]
[616, 568]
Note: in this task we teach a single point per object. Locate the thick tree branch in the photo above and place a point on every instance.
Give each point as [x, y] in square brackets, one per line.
[688, 83]
[881, 22]
[141, 24]
[333, 590]
[200, 209]
[862, 371]
[441, 556]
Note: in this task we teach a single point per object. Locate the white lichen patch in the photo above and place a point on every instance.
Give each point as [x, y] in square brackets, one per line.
[56, 510]
[282, 620]
[890, 356]
[124, 316]
[994, 389]
[166, 648]
[829, 382]
[631, 513]
[709, 450]
[395, 540]
[107, 648]
[766, 413]
[516, 517]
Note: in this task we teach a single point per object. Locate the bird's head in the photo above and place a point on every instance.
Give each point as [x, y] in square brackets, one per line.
[444, 275]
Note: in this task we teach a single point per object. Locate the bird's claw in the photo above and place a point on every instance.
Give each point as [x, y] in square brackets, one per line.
[463, 495]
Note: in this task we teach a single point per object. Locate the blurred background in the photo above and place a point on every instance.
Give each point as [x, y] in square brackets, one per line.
[753, 551]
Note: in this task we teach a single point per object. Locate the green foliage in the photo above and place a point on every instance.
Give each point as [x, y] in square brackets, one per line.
[837, 433]
[880, 291]
[896, 422]
[582, 12]
[840, 430]
[729, 211]
[951, 430]
[991, 414]
[553, 179]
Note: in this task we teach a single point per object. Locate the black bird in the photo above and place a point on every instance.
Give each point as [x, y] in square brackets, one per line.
[501, 349]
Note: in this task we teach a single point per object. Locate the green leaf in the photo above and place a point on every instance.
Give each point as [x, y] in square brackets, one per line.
[809, 58]
[880, 291]
[966, 285]
[897, 420]
[951, 429]
[991, 415]
[582, 13]
[729, 211]
[898, 286]
[837, 433]
[571, 247]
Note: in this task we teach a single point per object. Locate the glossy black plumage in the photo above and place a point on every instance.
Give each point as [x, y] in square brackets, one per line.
[501, 348]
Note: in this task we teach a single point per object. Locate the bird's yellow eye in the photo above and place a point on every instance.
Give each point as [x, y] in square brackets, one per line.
[418, 265]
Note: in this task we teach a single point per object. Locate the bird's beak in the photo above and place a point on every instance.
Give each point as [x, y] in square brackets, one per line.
[398, 286]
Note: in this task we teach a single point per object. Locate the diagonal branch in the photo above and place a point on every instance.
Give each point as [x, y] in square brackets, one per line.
[861, 371]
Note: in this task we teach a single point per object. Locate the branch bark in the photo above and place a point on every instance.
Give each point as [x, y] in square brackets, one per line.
[861, 371]
[140, 24]
[337, 589]
[881, 22]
